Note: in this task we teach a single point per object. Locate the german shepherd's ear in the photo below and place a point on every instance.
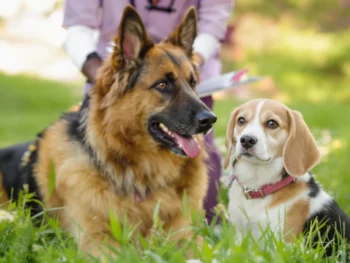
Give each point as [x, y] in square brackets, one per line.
[131, 45]
[186, 32]
[300, 153]
[230, 140]
[132, 41]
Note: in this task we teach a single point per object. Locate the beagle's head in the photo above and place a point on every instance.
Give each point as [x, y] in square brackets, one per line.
[262, 130]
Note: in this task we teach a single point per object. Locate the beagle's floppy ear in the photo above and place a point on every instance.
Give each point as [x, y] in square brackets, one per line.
[230, 140]
[132, 41]
[300, 152]
[186, 32]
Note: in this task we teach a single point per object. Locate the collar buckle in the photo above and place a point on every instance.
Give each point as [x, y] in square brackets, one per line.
[246, 193]
[261, 193]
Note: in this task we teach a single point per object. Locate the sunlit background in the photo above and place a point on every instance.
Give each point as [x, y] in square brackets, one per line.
[301, 47]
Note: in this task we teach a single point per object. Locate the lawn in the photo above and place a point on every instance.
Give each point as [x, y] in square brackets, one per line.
[28, 105]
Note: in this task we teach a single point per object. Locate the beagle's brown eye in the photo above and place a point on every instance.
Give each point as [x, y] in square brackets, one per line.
[241, 121]
[272, 124]
[161, 85]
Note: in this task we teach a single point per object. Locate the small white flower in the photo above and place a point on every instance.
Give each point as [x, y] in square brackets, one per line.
[6, 216]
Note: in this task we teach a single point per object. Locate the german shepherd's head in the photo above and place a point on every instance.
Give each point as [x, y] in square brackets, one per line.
[145, 95]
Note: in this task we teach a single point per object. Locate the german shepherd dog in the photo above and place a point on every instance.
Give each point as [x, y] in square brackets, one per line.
[135, 142]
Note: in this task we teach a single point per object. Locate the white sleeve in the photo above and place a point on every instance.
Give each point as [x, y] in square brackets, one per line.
[79, 43]
[205, 44]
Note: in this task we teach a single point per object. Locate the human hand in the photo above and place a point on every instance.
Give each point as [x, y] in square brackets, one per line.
[90, 69]
[198, 58]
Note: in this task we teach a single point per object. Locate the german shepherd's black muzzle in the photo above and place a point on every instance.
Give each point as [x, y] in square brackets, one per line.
[175, 126]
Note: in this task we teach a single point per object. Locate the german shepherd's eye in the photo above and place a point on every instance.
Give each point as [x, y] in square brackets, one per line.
[272, 124]
[161, 85]
[241, 121]
[192, 82]
[164, 85]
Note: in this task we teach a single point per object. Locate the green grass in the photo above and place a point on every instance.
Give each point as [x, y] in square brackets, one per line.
[28, 105]
[21, 241]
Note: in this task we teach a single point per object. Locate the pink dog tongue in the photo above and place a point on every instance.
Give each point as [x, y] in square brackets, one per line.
[189, 145]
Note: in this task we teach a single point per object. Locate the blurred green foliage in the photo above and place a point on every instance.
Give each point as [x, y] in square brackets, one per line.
[325, 15]
[28, 105]
[304, 46]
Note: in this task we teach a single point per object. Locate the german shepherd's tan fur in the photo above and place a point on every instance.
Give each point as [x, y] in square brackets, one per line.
[120, 169]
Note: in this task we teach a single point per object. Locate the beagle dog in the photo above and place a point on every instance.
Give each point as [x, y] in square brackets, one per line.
[271, 185]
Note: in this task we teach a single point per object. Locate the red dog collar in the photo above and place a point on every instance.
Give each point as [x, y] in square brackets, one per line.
[266, 189]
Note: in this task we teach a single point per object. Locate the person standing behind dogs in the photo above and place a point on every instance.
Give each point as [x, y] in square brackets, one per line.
[84, 18]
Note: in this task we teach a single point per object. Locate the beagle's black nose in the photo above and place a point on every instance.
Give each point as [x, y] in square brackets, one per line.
[248, 141]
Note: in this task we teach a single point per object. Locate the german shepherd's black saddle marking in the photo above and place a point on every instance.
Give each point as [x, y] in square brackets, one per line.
[16, 166]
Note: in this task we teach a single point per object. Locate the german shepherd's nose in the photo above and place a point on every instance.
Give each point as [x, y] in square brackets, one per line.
[205, 120]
